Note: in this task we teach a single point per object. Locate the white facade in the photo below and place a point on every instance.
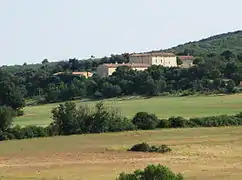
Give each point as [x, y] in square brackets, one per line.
[164, 61]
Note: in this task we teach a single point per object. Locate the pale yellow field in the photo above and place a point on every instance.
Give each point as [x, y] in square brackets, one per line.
[202, 153]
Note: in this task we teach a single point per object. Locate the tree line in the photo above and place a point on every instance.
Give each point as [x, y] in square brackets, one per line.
[68, 119]
[211, 74]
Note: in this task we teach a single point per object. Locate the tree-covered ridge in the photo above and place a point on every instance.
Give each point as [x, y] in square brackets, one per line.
[212, 73]
[217, 44]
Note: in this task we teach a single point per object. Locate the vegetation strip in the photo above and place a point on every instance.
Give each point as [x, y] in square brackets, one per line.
[68, 119]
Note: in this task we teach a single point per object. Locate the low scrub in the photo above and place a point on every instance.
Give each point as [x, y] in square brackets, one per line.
[144, 147]
[27, 132]
[152, 172]
[145, 121]
[211, 121]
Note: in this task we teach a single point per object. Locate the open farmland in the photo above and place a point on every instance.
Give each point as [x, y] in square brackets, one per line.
[163, 107]
[201, 153]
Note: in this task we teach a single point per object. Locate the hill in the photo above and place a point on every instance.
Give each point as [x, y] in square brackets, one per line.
[217, 44]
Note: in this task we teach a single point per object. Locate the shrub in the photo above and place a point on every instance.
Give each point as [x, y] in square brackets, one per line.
[65, 118]
[217, 121]
[6, 117]
[152, 172]
[71, 120]
[164, 123]
[144, 147]
[145, 121]
[3, 136]
[160, 149]
[19, 112]
[178, 122]
[98, 94]
[121, 124]
[27, 132]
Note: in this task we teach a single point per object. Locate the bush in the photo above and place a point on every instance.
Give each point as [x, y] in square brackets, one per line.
[152, 172]
[71, 120]
[160, 149]
[19, 112]
[98, 94]
[164, 123]
[27, 132]
[121, 124]
[65, 118]
[3, 136]
[145, 121]
[144, 147]
[6, 118]
[178, 122]
[217, 121]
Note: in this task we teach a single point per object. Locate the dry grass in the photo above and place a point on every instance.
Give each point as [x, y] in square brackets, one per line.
[206, 153]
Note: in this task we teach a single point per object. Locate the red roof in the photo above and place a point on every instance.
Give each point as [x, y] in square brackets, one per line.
[134, 65]
[186, 58]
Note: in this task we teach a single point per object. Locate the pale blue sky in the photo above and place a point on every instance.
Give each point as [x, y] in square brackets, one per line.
[32, 30]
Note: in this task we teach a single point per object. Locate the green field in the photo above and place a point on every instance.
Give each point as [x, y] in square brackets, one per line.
[162, 106]
[199, 153]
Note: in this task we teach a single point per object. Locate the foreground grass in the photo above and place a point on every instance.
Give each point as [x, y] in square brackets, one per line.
[202, 153]
[163, 107]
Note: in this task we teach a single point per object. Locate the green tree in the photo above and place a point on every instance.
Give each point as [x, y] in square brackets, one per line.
[65, 118]
[230, 86]
[145, 121]
[6, 118]
[152, 172]
[179, 61]
[108, 90]
[11, 95]
[227, 54]
[45, 61]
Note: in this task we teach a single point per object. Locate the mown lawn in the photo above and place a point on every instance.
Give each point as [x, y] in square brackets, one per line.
[162, 106]
[199, 153]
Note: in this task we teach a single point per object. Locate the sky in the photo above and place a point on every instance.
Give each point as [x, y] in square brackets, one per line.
[32, 30]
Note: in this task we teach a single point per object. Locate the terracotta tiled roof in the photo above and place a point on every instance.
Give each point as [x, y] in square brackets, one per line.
[186, 58]
[135, 65]
[152, 54]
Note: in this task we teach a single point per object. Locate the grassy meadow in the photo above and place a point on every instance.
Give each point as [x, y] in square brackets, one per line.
[163, 107]
[199, 153]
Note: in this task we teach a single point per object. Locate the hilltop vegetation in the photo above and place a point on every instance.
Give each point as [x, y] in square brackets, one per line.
[217, 44]
[213, 73]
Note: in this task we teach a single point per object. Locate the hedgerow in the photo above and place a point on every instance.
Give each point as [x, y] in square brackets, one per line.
[69, 119]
